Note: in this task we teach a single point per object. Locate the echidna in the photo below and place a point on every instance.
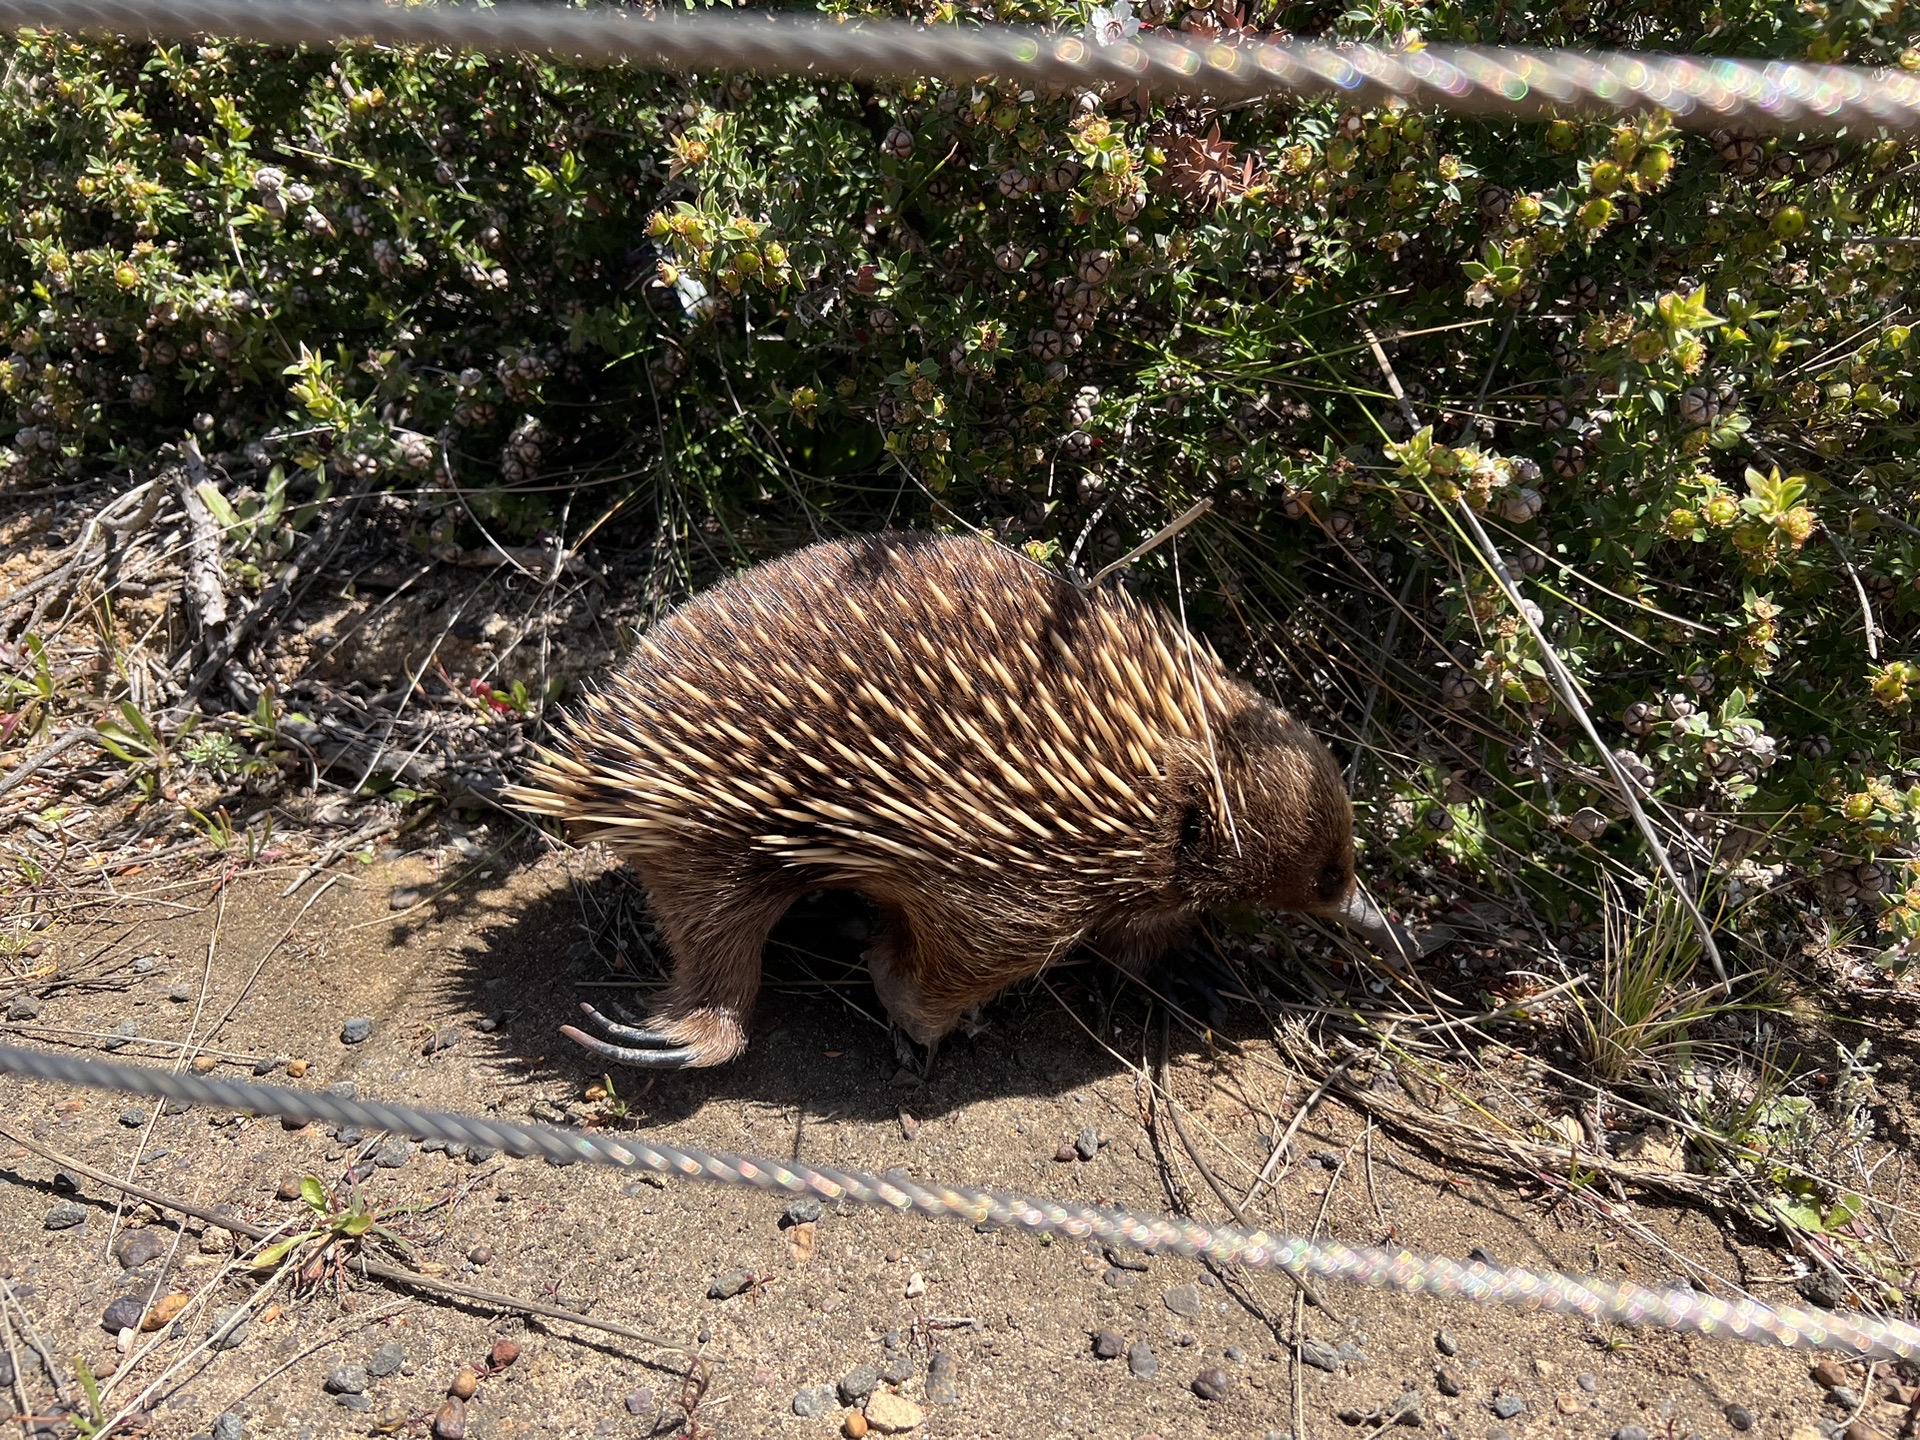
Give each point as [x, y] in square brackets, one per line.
[1005, 764]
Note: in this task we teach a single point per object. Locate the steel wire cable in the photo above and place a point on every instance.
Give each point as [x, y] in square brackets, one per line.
[1596, 1300]
[1699, 92]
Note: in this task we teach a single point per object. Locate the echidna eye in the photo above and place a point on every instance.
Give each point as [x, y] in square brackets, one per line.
[1332, 883]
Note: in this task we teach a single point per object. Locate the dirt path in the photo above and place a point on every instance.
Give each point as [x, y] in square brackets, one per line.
[494, 966]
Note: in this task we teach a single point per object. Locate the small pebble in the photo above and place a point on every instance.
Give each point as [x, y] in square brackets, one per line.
[138, 1247]
[641, 1402]
[854, 1427]
[225, 1338]
[1448, 1380]
[356, 1030]
[1142, 1361]
[229, 1426]
[730, 1283]
[404, 897]
[354, 1402]
[1116, 1279]
[1631, 1432]
[386, 1360]
[266, 1066]
[123, 1314]
[133, 1117]
[1827, 1375]
[1108, 1346]
[892, 1414]
[1566, 1403]
[180, 993]
[1859, 1429]
[341, 1089]
[1321, 1357]
[465, 1384]
[804, 1211]
[899, 1370]
[26, 1008]
[857, 1384]
[1505, 1407]
[347, 1379]
[65, 1214]
[808, 1403]
[1408, 1411]
[443, 1037]
[121, 1035]
[1446, 1343]
[1087, 1143]
[450, 1420]
[481, 1255]
[1213, 1383]
[65, 1183]
[297, 1068]
[1067, 1151]
[503, 1354]
[943, 1387]
[288, 1188]
[1587, 1382]
[1845, 1396]
[1739, 1417]
[1183, 1300]
[393, 1154]
[1350, 1353]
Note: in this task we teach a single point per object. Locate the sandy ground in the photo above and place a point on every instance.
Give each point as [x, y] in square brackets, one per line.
[498, 959]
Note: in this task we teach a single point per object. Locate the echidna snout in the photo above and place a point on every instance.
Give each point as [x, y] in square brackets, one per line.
[1005, 765]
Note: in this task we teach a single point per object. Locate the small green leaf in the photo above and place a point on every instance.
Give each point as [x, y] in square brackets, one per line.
[314, 1193]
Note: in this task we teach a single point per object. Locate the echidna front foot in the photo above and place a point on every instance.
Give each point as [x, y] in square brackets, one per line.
[691, 1042]
[916, 1060]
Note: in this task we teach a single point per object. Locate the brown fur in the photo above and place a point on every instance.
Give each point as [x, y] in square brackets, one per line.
[1005, 765]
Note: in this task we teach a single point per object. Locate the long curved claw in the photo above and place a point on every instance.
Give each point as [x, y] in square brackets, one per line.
[632, 1034]
[679, 1059]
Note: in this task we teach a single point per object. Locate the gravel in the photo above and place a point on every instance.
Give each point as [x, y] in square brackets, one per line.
[1506, 1407]
[804, 1211]
[641, 1402]
[356, 1030]
[347, 1379]
[1213, 1383]
[386, 1360]
[1184, 1300]
[1321, 1357]
[1447, 1343]
[943, 1386]
[857, 1384]
[729, 1283]
[1142, 1361]
[1108, 1346]
[1739, 1417]
[810, 1402]
[234, 1338]
[123, 1314]
[139, 1247]
[65, 1215]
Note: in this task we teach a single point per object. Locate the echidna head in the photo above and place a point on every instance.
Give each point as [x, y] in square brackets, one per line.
[1263, 818]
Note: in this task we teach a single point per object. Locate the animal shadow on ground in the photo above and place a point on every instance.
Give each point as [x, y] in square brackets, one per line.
[819, 1039]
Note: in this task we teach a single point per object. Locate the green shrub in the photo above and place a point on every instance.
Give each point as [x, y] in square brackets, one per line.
[1673, 372]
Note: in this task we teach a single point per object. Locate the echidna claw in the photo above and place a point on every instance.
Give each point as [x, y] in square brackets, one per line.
[632, 1034]
[678, 1059]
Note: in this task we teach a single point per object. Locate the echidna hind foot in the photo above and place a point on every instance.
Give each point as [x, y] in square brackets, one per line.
[708, 1037]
